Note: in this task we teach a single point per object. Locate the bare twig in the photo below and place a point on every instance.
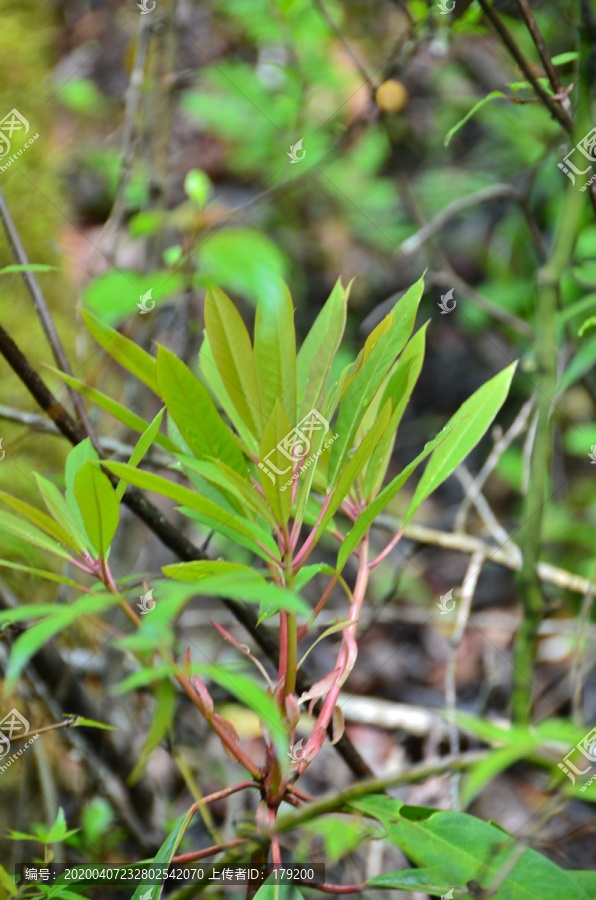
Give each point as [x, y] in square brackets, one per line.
[509, 556]
[18, 252]
[463, 614]
[484, 195]
[551, 104]
[494, 527]
[553, 75]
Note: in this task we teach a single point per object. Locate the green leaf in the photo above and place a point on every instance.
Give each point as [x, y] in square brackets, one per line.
[161, 722]
[400, 384]
[220, 474]
[195, 414]
[98, 504]
[367, 517]
[164, 856]
[115, 409]
[368, 372]
[61, 511]
[40, 573]
[28, 643]
[581, 362]
[41, 519]
[75, 459]
[117, 294]
[197, 186]
[134, 359]
[214, 380]
[275, 467]
[494, 764]
[315, 357]
[253, 696]
[28, 533]
[239, 582]
[81, 722]
[244, 261]
[29, 267]
[469, 424]
[233, 355]
[459, 848]
[210, 513]
[562, 59]
[452, 131]
[278, 892]
[351, 471]
[275, 354]
[141, 448]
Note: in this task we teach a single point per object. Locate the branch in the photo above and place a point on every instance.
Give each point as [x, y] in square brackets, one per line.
[552, 105]
[18, 252]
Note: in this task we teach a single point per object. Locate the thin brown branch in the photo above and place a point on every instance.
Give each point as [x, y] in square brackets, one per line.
[553, 75]
[20, 256]
[549, 102]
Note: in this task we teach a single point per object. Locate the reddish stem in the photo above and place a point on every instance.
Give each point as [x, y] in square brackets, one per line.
[308, 545]
[210, 851]
[394, 541]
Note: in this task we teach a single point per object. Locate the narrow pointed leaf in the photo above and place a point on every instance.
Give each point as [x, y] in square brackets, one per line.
[275, 353]
[214, 380]
[379, 354]
[469, 424]
[276, 464]
[316, 354]
[234, 357]
[98, 504]
[141, 448]
[195, 414]
[132, 357]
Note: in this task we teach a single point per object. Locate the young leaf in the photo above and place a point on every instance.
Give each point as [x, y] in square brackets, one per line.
[142, 446]
[98, 504]
[31, 535]
[210, 513]
[313, 363]
[275, 465]
[234, 357]
[453, 131]
[28, 643]
[40, 573]
[213, 378]
[275, 354]
[368, 515]
[470, 423]
[400, 384]
[132, 357]
[61, 511]
[113, 408]
[41, 519]
[361, 384]
[195, 414]
[161, 722]
[222, 579]
[75, 459]
[220, 474]
[164, 856]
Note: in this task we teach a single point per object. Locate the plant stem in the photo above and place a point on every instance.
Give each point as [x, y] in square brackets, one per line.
[547, 294]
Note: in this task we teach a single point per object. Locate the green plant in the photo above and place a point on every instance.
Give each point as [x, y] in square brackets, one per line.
[273, 457]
